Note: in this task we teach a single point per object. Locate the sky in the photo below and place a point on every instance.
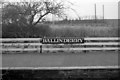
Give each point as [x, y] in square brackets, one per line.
[83, 8]
[87, 8]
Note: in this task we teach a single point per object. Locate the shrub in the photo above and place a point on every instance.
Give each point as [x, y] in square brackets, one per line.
[16, 31]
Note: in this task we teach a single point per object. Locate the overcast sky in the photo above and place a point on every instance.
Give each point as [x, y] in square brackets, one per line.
[87, 8]
[84, 8]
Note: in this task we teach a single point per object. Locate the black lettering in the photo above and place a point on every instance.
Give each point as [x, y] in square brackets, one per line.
[80, 40]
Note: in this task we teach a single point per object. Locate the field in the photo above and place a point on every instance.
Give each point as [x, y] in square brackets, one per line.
[85, 31]
[85, 28]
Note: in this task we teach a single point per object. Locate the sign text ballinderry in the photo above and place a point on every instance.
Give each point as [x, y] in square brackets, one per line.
[62, 40]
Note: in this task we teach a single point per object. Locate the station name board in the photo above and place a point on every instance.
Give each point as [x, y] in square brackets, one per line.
[62, 40]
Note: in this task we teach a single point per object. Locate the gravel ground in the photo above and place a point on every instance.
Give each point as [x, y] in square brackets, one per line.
[60, 60]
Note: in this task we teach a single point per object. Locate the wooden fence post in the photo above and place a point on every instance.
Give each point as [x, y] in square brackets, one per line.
[84, 41]
[40, 48]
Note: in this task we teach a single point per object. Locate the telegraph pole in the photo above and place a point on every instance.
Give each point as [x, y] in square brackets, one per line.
[95, 13]
[103, 12]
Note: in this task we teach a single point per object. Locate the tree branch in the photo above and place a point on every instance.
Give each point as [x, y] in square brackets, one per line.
[32, 18]
[41, 18]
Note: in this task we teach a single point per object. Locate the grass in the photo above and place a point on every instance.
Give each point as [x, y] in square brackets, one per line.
[85, 28]
[84, 31]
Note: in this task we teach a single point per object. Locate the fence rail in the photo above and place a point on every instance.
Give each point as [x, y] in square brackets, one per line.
[34, 44]
[37, 44]
[36, 39]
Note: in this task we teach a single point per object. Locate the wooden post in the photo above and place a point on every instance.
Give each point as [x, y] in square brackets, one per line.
[84, 46]
[84, 50]
[40, 48]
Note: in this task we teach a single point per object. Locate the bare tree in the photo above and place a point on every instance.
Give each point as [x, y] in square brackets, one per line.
[25, 12]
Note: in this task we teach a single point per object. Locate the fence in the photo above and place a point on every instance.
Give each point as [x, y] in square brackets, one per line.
[34, 45]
